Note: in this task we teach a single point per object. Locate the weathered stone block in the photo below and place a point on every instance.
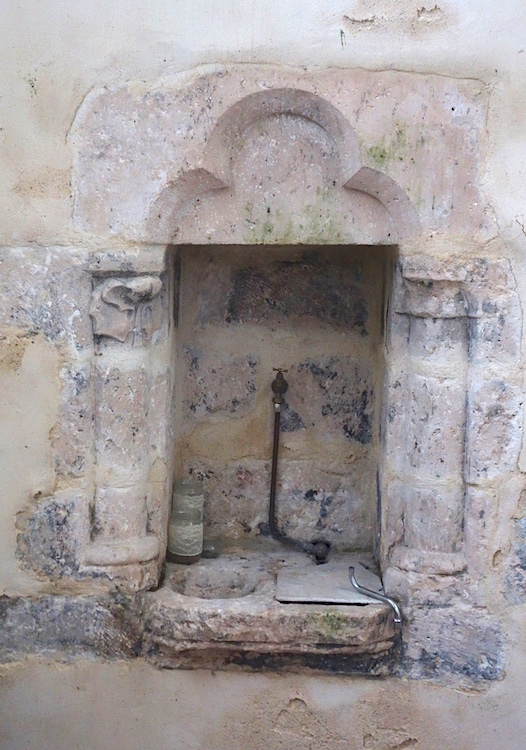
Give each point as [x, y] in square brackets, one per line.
[216, 386]
[496, 334]
[35, 293]
[398, 324]
[125, 136]
[395, 432]
[436, 427]
[485, 274]
[426, 268]
[454, 644]
[494, 433]
[293, 288]
[312, 502]
[135, 259]
[51, 532]
[73, 434]
[158, 500]
[440, 342]
[121, 427]
[515, 575]
[428, 562]
[336, 392]
[119, 513]
[413, 589]
[159, 424]
[70, 627]
[313, 288]
[480, 527]
[433, 299]
[236, 495]
[393, 505]
[434, 518]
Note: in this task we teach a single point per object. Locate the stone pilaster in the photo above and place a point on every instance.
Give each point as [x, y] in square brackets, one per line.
[125, 540]
[431, 325]
[453, 425]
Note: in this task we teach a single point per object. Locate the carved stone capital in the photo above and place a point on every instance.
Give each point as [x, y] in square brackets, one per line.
[124, 307]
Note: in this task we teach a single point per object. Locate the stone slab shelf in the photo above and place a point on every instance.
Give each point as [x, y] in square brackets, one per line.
[222, 614]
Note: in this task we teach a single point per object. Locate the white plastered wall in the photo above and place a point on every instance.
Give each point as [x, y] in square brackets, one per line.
[52, 54]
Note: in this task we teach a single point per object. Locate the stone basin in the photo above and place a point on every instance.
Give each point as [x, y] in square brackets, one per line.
[215, 579]
[223, 614]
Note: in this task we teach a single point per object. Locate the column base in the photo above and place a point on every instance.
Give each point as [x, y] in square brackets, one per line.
[122, 552]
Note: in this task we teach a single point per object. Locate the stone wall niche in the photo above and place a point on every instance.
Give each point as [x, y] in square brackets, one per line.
[285, 246]
[273, 190]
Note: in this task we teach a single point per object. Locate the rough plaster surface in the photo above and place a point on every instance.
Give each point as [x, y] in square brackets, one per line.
[67, 707]
[30, 395]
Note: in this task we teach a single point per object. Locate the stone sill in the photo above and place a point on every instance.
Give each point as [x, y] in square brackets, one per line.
[254, 631]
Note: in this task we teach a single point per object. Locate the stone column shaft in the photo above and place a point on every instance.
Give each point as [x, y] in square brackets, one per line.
[431, 472]
[125, 314]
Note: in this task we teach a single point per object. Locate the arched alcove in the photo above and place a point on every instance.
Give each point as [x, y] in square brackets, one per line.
[250, 218]
[285, 249]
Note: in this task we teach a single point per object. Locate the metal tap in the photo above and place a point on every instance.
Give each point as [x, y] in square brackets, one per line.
[397, 619]
[280, 387]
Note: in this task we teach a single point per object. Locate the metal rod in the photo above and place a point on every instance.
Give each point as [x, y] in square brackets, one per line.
[272, 521]
[319, 549]
[375, 595]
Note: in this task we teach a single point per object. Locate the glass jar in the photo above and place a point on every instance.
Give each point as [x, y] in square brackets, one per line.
[185, 529]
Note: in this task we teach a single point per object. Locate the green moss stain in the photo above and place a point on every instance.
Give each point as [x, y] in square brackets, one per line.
[319, 226]
[260, 232]
[314, 223]
[378, 154]
[331, 623]
[392, 150]
[400, 137]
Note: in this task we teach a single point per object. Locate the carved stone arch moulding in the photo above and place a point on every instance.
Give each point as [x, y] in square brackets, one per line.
[212, 156]
[328, 219]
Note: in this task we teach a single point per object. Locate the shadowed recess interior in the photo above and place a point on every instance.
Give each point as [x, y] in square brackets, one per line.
[319, 313]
